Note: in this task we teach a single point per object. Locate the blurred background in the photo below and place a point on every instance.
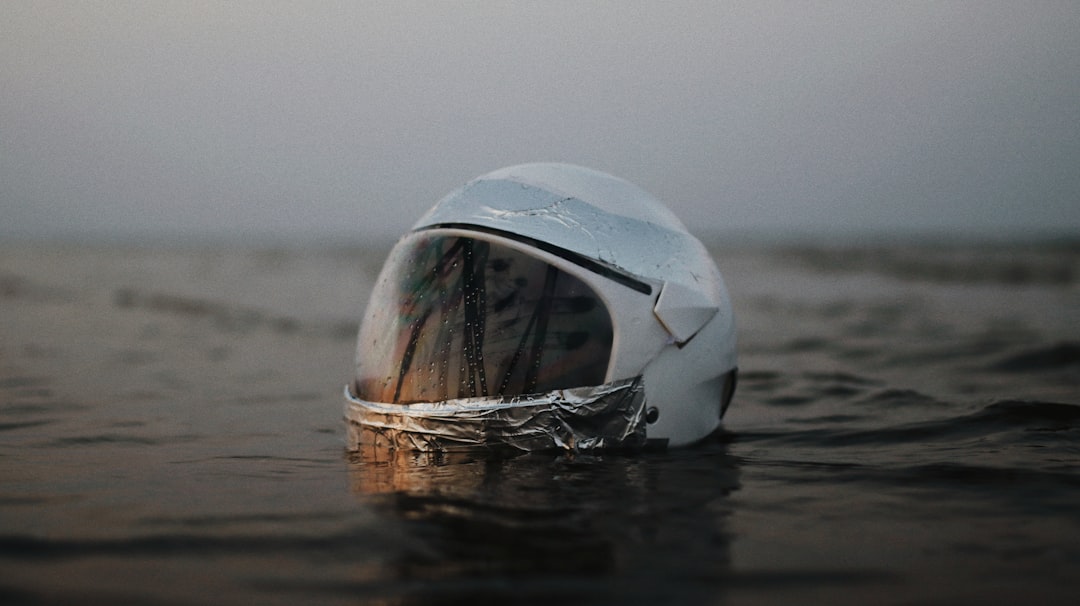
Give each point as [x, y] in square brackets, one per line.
[344, 121]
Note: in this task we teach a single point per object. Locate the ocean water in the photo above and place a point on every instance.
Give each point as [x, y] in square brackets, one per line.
[906, 431]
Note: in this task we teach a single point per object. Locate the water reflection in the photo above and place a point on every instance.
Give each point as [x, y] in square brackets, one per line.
[639, 529]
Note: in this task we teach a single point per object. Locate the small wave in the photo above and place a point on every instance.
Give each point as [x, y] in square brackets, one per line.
[1008, 416]
[1055, 357]
[231, 318]
[104, 439]
[761, 381]
[22, 382]
[810, 388]
[1009, 265]
[25, 424]
[981, 475]
[227, 317]
[235, 520]
[1003, 416]
[790, 400]
[902, 397]
[35, 500]
[30, 547]
[808, 344]
[18, 287]
[834, 419]
[759, 375]
[840, 377]
[1031, 414]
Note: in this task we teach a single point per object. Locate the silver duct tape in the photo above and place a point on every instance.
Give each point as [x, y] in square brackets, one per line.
[608, 416]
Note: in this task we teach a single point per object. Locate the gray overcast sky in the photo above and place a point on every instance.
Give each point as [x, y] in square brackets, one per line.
[300, 119]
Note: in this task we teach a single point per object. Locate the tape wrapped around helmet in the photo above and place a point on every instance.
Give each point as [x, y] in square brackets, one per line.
[600, 417]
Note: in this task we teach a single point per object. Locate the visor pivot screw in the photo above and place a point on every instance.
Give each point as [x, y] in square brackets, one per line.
[651, 414]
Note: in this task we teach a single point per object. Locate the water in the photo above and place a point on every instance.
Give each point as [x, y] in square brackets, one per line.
[906, 431]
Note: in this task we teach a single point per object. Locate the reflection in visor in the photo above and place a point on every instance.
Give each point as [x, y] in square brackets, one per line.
[458, 317]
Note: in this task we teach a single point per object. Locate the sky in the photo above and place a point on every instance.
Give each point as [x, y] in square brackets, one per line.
[345, 121]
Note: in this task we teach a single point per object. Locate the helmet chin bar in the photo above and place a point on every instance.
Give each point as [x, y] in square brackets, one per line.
[603, 417]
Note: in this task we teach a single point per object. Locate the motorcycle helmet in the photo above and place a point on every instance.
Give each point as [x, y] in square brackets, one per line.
[543, 306]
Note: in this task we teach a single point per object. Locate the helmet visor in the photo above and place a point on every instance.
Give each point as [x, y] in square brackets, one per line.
[463, 316]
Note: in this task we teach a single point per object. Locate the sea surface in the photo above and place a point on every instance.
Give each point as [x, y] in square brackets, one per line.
[906, 431]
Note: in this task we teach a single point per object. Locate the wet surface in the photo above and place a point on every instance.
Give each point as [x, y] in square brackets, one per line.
[906, 430]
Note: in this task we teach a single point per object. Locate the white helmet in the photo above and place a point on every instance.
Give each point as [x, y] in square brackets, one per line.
[543, 306]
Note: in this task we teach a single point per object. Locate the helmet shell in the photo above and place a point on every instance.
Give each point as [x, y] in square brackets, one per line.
[616, 223]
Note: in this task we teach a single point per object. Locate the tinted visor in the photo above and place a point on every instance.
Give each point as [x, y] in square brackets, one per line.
[458, 316]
